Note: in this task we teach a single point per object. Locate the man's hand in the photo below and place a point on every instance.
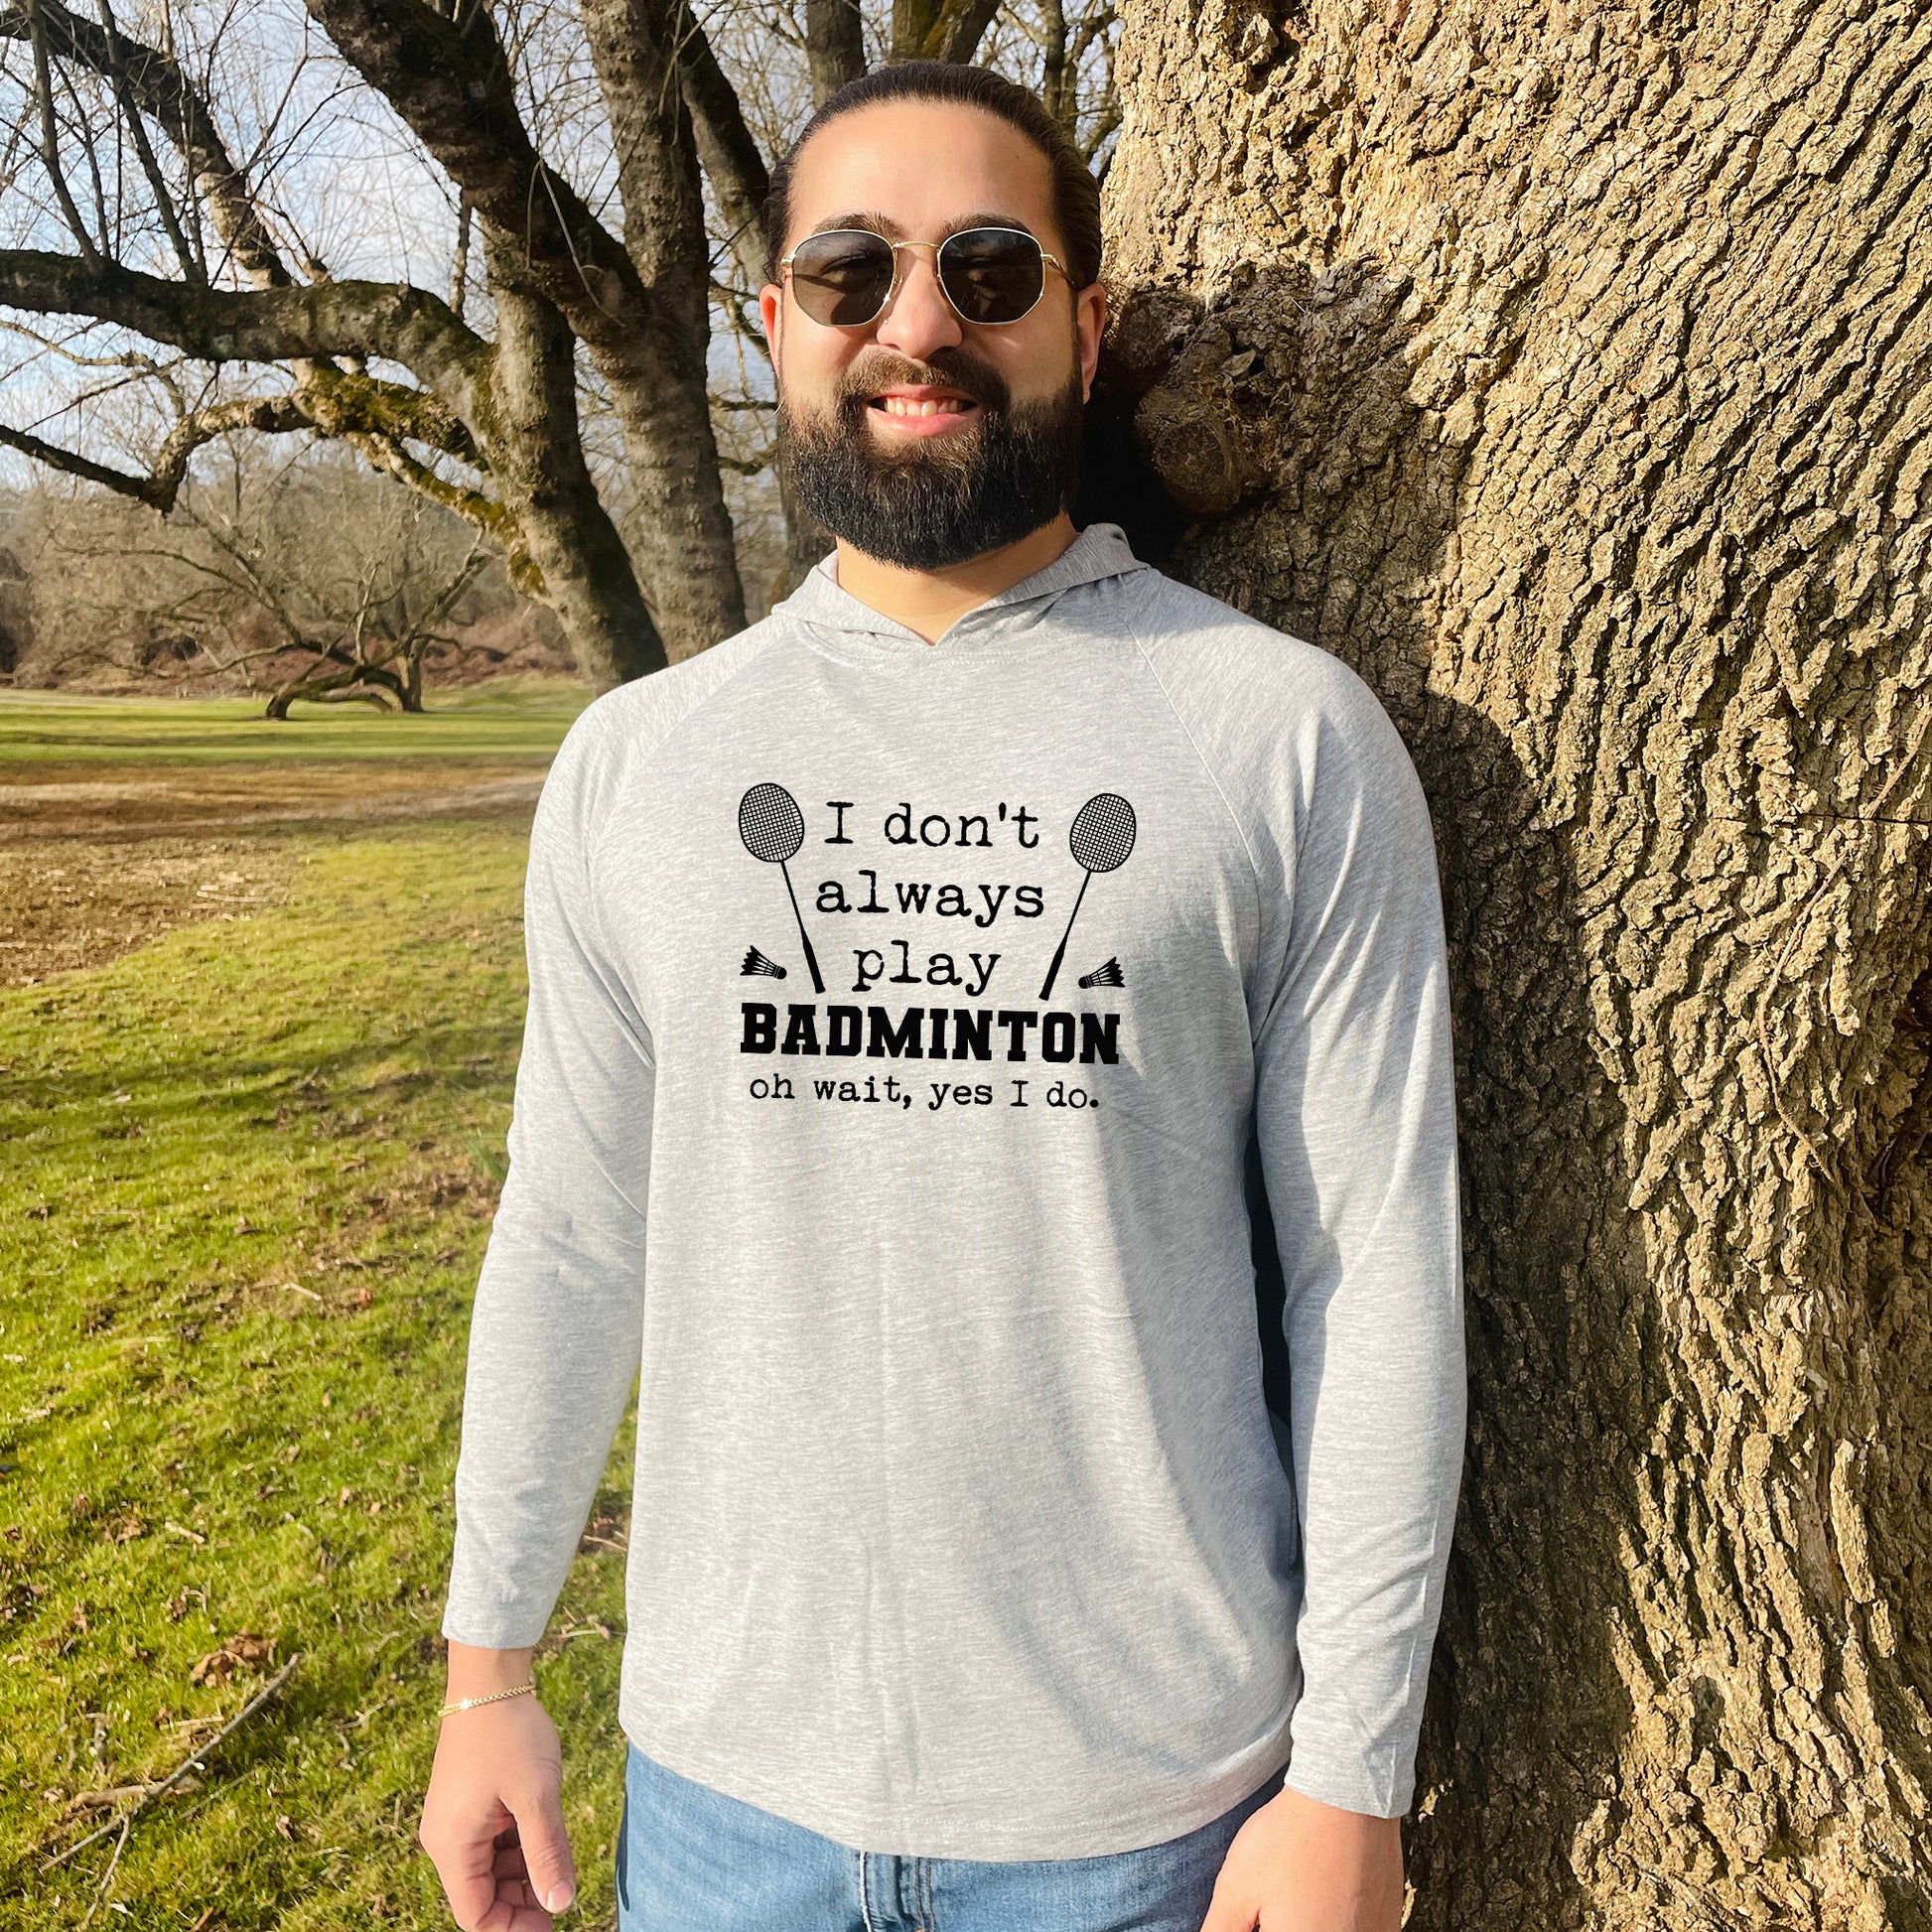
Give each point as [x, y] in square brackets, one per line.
[493, 1818]
[1300, 1865]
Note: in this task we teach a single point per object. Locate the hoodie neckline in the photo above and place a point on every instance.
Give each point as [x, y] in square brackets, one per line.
[841, 619]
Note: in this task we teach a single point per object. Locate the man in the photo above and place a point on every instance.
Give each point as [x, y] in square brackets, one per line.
[907, 974]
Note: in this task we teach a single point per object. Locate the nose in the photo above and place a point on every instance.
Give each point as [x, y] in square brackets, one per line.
[918, 318]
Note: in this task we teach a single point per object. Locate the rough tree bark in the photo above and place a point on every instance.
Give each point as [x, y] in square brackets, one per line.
[1565, 369]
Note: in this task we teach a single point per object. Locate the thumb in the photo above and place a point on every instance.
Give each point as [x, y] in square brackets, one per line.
[546, 1848]
[1230, 1909]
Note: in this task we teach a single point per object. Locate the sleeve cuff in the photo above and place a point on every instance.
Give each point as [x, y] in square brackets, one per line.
[1350, 1787]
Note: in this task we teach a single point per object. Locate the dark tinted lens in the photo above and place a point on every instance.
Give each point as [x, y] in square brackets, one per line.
[841, 277]
[992, 274]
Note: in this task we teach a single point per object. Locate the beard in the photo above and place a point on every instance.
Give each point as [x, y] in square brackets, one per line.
[935, 500]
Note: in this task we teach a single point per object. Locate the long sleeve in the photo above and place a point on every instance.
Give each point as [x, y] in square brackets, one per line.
[555, 1332]
[1356, 1122]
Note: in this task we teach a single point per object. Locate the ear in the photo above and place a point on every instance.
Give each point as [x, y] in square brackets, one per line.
[1090, 321]
[771, 309]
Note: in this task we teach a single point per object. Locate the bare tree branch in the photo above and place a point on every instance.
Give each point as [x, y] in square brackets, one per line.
[125, 358]
[146, 489]
[451, 82]
[49, 133]
[736, 170]
[483, 513]
[156, 84]
[961, 28]
[83, 138]
[387, 319]
[192, 265]
[459, 265]
[351, 402]
[272, 416]
[939, 30]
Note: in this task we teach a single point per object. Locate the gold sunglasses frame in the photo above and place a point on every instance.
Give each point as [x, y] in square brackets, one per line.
[1048, 259]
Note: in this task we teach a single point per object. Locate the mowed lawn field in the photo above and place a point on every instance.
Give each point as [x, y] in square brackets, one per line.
[261, 991]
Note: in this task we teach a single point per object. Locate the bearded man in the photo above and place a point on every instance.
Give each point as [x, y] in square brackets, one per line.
[908, 977]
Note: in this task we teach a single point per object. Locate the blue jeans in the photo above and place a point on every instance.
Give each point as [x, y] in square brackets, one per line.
[692, 1859]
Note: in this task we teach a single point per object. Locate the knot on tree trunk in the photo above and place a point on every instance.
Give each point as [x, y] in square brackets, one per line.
[1232, 396]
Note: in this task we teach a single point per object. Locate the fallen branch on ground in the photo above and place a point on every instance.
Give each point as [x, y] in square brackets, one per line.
[194, 1761]
[109, 1799]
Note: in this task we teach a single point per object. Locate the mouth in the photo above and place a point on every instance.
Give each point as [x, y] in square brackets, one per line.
[922, 410]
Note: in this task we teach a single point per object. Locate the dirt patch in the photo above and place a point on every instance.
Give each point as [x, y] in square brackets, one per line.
[74, 800]
[97, 858]
[70, 903]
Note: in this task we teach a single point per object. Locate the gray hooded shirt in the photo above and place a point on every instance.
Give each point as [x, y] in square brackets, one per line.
[898, 1015]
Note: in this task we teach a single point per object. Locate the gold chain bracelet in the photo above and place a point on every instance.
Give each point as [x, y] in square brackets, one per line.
[464, 1704]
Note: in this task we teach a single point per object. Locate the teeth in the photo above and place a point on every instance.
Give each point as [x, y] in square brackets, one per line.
[900, 406]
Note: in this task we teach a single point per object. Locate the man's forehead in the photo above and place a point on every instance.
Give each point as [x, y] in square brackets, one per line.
[919, 171]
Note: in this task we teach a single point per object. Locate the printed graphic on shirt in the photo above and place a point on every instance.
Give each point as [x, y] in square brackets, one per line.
[773, 828]
[1102, 840]
[923, 948]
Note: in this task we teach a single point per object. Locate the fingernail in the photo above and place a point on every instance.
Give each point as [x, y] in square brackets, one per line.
[557, 1899]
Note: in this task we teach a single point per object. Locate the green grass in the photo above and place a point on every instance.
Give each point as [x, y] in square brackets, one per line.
[509, 719]
[312, 1097]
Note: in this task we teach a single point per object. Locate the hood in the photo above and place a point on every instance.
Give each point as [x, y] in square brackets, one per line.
[1098, 556]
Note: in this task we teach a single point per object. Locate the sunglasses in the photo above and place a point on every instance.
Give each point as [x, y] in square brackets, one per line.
[845, 277]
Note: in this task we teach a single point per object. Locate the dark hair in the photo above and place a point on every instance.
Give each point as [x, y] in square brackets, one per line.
[1076, 195]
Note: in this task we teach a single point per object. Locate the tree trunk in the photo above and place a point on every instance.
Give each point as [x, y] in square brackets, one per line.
[1565, 370]
[537, 457]
[683, 535]
[834, 45]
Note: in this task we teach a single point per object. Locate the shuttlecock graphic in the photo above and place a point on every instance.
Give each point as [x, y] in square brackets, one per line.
[1107, 975]
[756, 963]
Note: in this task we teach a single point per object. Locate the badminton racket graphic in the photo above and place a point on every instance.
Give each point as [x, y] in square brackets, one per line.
[773, 828]
[1101, 838]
